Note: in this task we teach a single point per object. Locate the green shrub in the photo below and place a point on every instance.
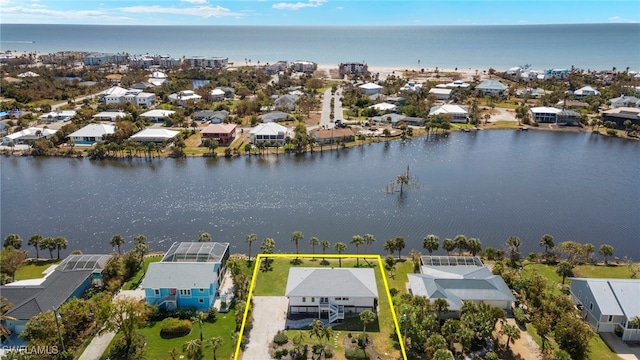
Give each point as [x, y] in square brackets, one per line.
[172, 328]
[281, 353]
[328, 353]
[212, 315]
[612, 132]
[355, 354]
[519, 316]
[491, 356]
[280, 338]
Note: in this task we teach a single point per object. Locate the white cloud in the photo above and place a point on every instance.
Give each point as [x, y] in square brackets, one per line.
[36, 13]
[200, 11]
[618, 19]
[299, 5]
[195, 1]
[339, 7]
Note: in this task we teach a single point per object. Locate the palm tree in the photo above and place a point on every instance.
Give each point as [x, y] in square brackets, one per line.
[13, 240]
[204, 237]
[193, 348]
[390, 246]
[366, 317]
[316, 329]
[47, 243]
[35, 241]
[4, 307]
[325, 245]
[512, 332]
[564, 269]
[214, 343]
[357, 240]
[117, 240]
[60, 243]
[441, 306]
[606, 250]
[547, 241]
[513, 243]
[400, 243]
[368, 240]
[340, 247]
[430, 243]
[314, 241]
[296, 236]
[448, 245]
[199, 317]
[251, 238]
[474, 246]
[461, 243]
[173, 354]
[402, 180]
[589, 249]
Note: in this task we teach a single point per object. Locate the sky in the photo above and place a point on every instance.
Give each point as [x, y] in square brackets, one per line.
[317, 12]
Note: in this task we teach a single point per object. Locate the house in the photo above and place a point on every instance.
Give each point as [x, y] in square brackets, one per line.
[70, 279]
[568, 118]
[154, 135]
[276, 67]
[331, 292]
[183, 96]
[28, 74]
[330, 136]
[492, 88]
[370, 88]
[391, 118]
[142, 85]
[385, 107]
[455, 84]
[456, 113]
[572, 104]
[213, 116]
[608, 305]
[187, 276]
[413, 120]
[141, 61]
[274, 116]
[411, 86]
[216, 95]
[460, 278]
[441, 94]
[268, 132]
[544, 114]
[31, 133]
[223, 133]
[625, 101]
[158, 78]
[110, 115]
[287, 101]
[157, 115]
[118, 95]
[91, 134]
[622, 114]
[304, 66]
[168, 62]
[585, 91]
[64, 115]
[557, 74]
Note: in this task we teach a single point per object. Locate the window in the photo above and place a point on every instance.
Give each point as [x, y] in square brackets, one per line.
[186, 292]
[345, 299]
[201, 301]
[313, 299]
[201, 290]
[156, 292]
[304, 299]
[610, 318]
[590, 306]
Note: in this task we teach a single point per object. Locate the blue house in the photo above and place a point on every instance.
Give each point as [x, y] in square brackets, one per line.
[70, 279]
[187, 276]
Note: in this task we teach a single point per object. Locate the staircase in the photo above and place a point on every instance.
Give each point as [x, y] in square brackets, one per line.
[169, 302]
[336, 312]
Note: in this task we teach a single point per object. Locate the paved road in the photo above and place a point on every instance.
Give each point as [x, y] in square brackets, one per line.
[269, 316]
[325, 118]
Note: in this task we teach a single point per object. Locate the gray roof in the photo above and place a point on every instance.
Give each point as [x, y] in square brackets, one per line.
[179, 275]
[196, 252]
[274, 116]
[220, 114]
[332, 282]
[57, 288]
[458, 283]
[614, 296]
[491, 85]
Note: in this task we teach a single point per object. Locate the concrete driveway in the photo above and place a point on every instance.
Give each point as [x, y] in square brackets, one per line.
[269, 316]
[623, 350]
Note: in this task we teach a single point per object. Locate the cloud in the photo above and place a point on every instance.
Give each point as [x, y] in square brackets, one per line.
[200, 11]
[195, 1]
[33, 10]
[299, 5]
[339, 7]
[618, 19]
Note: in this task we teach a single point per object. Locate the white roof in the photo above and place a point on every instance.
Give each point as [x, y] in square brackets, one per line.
[114, 91]
[614, 296]
[195, 275]
[154, 133]
[110, 114]
[94, 130]
[384, 106]
[370, 86]
[216, 92]
[270, 128]
[185, 95]
[157, 82]
[28, 74]
[587, 90]
[440, 91]
[545, 110]
[457, 83]
[157, 113]
[63, 113]
[351, 282]
[32, 131]
[447, 109]
[158, 75]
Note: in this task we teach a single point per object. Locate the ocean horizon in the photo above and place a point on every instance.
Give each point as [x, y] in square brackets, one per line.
[583, 46]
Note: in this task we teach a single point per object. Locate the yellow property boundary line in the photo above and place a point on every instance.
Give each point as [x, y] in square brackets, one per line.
[329, 256]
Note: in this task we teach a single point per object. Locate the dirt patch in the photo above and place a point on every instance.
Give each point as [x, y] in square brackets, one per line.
[524, 348]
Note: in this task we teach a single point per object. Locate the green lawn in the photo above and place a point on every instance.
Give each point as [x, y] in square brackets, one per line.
[158, 348]
[34, 269]
[611, 271]
[137, 278]
[399, 279]
[502, 124]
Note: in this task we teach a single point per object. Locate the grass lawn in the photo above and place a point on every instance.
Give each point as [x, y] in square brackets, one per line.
[502, 124]
[34, 269]
[399, 279]
[158, 348]
[611, 271]
[273, 283]
[137, 278]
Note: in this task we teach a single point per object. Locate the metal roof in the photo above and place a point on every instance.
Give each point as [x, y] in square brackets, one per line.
[196, 252]
[179, 276]
[350, 282]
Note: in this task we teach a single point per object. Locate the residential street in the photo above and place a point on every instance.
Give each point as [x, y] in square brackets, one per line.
[325, 120]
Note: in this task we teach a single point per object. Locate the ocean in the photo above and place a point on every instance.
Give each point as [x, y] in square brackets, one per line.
[584, 46]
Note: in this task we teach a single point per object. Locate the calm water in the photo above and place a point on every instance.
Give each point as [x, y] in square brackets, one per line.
[489, 185]
[586, 46]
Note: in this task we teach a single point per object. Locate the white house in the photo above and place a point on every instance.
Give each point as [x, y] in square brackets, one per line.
[370, 88]
[455, 84]
[31, 133]
[625, 101]
[157, 115]
[331, 292]
[287, 101]
[440, 93]
[158, 78]
[456, 112]
[492, 88]
[91, 134]
[411, 86]
[269, 131]
[586, 91]
[384, 107]
[154, 135]
[217, 95]
[544, 114]
[608, 305]
[183, 96]
[460, 278]
[110, 115]
[64, 115]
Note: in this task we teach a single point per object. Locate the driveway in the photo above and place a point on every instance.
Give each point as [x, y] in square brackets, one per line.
[623, 350]
[269, 316]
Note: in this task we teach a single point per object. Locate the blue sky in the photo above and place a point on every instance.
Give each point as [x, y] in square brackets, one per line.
[317, 12]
